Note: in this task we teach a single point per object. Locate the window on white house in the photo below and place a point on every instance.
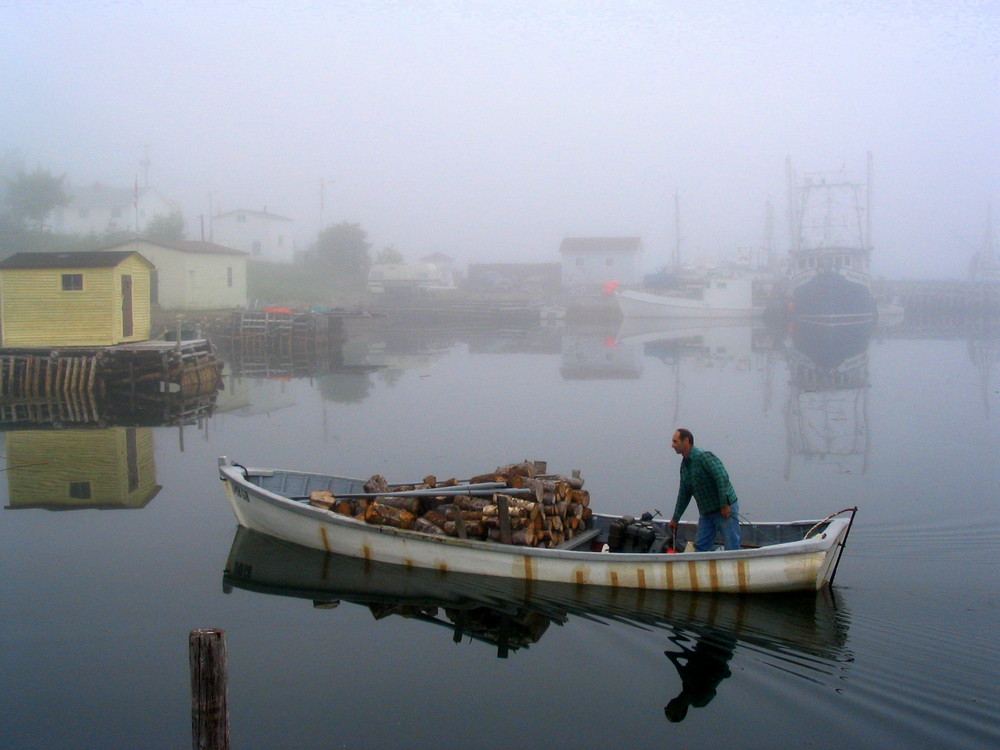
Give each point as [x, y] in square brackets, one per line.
[609, 261]
[72, 282]
[256, 247]
[579, 262]
[229, 275]
[241, 218]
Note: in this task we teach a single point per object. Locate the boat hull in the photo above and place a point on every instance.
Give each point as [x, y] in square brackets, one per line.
[648, 305]
[794, 566]
[831, 299]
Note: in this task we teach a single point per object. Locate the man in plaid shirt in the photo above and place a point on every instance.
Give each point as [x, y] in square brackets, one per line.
[705, 478]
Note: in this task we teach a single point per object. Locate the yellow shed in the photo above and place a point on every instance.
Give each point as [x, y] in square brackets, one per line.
[74, 299]
[70, 469]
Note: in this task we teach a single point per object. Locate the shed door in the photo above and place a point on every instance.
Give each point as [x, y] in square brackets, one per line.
[127, 327]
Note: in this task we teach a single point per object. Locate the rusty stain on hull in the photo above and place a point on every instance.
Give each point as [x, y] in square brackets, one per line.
[326, 541]
[528, 573]
[693, 575]
[713, 575]
[670, 574]
[580, 577]
[614, 578]
[642, 578]
[742, 575]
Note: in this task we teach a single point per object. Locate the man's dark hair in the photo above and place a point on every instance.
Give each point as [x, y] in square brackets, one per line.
[685, 435]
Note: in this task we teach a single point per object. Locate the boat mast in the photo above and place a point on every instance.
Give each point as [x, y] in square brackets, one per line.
[677, 231]
[867, 244]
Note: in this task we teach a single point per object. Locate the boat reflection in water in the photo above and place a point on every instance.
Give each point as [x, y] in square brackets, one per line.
[826, 415]
[802, 633]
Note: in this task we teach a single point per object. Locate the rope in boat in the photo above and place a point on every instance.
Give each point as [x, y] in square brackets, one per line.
[828, 518]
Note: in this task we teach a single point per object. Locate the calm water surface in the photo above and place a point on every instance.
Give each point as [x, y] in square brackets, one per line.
[96, 603]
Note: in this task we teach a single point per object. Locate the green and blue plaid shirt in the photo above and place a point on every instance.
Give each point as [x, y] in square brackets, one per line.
[704, 477]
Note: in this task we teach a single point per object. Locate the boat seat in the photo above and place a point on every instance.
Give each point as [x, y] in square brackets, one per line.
[579, 540]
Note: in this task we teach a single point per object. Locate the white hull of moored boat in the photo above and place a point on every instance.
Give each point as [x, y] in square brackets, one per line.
[807, 564]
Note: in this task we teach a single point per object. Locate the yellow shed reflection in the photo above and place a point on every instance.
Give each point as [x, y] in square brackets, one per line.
[71, 469]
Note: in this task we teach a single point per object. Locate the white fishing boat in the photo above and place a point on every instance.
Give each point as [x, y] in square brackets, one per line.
[776, 557]
[712, 298]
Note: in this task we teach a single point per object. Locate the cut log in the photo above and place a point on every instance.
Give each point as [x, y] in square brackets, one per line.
[322, 499]
[435, 517]
[376, 484]
[409, 504]
[422, 524]
[523, 537]
[386, 515]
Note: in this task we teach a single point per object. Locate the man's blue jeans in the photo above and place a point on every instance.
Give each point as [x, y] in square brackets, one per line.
[713, 523]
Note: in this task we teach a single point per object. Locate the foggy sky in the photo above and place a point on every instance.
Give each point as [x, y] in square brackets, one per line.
[489, 131]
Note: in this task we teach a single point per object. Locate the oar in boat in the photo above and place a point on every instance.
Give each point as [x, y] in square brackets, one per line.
[434, 492]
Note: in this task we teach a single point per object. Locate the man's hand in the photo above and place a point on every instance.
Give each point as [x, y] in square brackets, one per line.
[673, 525]
[725, 511]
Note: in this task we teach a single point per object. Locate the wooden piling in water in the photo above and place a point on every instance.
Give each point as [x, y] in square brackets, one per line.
[209, 701]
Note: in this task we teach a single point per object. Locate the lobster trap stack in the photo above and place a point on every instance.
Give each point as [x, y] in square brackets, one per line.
[517, 504]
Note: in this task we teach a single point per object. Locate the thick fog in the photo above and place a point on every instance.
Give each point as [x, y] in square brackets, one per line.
[489, 131]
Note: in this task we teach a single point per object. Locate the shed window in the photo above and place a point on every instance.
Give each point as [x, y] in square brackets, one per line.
[79, 490]
[72, 282]
[609, 261]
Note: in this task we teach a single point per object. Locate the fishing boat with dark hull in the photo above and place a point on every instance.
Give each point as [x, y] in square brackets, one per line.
[829, 276]
[776, 557]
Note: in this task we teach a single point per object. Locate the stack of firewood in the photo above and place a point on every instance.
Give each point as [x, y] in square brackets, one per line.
[523, 505]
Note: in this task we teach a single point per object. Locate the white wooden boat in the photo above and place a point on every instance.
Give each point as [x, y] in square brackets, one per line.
[728, 298]
[508, 610]
[794, 556]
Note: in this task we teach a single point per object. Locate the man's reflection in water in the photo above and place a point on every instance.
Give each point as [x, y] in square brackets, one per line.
[701, 670]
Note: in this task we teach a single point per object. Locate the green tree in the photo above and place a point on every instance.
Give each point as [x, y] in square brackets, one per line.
[388, 256]
[168, 227]
[31, 196]
[342, 250]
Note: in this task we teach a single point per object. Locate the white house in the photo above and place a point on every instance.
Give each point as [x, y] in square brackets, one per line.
[263, 235]
[97, 209]
[193, 275]
[589, 262]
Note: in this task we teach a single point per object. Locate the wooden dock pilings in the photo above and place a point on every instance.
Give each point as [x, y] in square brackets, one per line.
[188, 367]
[32, 375]
[257, 332]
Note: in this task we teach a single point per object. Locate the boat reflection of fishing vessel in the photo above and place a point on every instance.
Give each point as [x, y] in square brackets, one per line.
[826, 415]
[513, 614]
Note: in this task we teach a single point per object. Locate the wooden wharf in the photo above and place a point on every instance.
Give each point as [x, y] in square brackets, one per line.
[261, 332]
[82, 373]
[941, 295]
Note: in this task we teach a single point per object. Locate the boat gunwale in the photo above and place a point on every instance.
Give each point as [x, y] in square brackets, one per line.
[822, 542]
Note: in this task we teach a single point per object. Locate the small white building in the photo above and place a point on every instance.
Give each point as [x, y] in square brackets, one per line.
[590, 262]
[97, 209]
[263, 235]
[193, 275]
